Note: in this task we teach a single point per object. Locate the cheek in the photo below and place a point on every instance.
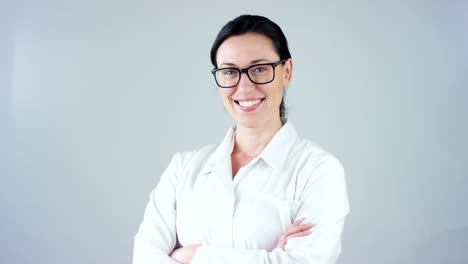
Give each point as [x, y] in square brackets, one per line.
[276, 94]
[225, 95]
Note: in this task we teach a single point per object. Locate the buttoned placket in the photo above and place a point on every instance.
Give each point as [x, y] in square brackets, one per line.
[229, 202]
[239, 178]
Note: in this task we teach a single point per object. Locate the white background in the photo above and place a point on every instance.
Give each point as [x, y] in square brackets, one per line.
[96, 96]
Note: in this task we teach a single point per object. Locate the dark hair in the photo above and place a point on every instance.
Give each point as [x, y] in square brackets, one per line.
[254, 24]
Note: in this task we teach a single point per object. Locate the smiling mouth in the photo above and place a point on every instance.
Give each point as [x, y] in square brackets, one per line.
[249, 103]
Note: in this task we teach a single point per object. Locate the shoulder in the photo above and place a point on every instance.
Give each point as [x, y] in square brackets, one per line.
[314, 162]
[322, 178]
[306, 155]
[189, 158]
[185, 158]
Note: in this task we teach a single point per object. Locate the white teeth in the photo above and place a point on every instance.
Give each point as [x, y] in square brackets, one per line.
[249, 103]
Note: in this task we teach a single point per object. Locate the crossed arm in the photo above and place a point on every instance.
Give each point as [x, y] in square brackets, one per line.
[185, 254]
[325, 205]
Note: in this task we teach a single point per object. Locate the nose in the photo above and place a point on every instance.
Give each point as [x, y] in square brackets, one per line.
[245, 82]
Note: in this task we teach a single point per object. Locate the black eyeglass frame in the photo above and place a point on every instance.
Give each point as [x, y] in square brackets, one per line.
[246, 70]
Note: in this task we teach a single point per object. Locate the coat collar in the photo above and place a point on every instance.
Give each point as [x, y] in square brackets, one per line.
[280, 145]
[274, 153]
[221, 155]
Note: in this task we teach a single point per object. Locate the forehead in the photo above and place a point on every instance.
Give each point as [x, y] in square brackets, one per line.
[242, 49]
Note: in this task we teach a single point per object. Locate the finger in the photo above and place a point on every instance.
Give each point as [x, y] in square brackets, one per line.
[295, 229]
[284, 240]
[298, 222]
[299, 234]
[281, 242]
[292, 229]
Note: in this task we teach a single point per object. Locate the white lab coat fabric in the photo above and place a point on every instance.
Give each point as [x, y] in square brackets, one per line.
[240, 220]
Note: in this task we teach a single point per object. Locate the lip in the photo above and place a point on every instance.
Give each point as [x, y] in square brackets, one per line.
[248, 108]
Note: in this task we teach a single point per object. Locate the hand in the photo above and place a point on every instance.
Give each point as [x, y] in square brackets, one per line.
[298, 229]
[185, 254]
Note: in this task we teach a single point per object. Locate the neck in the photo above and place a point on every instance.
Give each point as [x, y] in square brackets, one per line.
[252, 140]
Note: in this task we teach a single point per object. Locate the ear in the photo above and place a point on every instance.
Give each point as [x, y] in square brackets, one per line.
[287, 72]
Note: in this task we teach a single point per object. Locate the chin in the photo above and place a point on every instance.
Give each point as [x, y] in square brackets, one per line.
[249, 121]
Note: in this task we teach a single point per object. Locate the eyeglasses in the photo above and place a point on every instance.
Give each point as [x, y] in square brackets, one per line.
[257, 73]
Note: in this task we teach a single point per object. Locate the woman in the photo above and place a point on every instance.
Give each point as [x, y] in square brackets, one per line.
[263, 195]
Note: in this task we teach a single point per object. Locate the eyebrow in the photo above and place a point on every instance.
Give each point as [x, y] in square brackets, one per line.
[252, 62]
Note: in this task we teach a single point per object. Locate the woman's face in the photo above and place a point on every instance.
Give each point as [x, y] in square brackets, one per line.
[250, 104]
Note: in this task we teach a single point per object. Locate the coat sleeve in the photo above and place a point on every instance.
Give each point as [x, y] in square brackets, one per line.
[156, 237]
[324, 204]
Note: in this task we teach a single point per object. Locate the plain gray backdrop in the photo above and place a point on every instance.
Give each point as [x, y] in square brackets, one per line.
[96, 97]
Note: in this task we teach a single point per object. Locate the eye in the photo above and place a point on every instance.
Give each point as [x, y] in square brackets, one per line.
[259, 69]
[227, 72]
